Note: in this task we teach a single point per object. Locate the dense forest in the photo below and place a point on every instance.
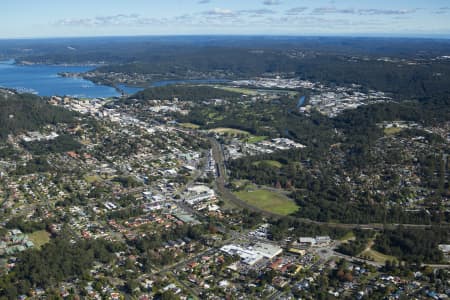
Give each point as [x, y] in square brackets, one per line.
[413, 245]
[61, 144]
[26, 112]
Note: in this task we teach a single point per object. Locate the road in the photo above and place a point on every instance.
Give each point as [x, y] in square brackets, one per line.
[222, 180]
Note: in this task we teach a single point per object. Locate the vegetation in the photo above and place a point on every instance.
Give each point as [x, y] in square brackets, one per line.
[56, 261]
[185, 93]
[358, 245]
[229, 131]
[62, 143]
[281, 228]
[318, 193]
[413, 245]
[269, 163]
[39, 238]
[27, 227]
[25, 112]
[269, 201]
[35, 165]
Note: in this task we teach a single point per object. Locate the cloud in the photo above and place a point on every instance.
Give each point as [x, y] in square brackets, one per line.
[258, 11]
[115, 20]
[442, 10]
[325, 19]
[386, 11]
[367, 11]
[332, 10]
[272, 2]
[204, 1]
[223, 12]
[296, 11]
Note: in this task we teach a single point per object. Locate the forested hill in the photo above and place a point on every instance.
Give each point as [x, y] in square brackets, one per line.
[20, 112]
[185, 93]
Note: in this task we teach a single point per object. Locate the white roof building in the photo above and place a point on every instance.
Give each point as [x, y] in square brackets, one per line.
[251, 255]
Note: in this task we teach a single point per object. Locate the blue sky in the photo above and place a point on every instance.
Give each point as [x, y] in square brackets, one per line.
[67, 18]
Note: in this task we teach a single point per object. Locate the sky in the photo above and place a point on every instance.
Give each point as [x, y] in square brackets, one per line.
[76, 18]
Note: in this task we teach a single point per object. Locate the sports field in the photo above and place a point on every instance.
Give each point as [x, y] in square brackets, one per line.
[268, 201]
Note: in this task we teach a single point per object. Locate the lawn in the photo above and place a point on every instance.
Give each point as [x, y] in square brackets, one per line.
[39, 238]
[247, 137]
[270, 163]
[377, 256]
[92, 179]
[269, 201]
[238, 90]
[392, 130]
[231, 131]
[189, 125]
[349, 236]
[253, 139]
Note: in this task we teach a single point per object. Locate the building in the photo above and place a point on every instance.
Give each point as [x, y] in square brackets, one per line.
[252, 254]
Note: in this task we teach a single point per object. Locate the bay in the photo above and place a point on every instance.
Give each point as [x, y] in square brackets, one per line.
[44, 80]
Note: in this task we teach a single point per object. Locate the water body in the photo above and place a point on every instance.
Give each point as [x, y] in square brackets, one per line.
[301, 101]
[44, 80]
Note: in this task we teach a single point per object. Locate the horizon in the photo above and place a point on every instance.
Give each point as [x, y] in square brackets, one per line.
[25, 19]
[362, 36]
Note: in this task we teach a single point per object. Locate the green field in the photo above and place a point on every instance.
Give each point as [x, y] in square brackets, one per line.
[246, 136]
[377, 256]
[392, 130]
[238, 90]
[230, 131]
[256, 139]
[189, 125]
[270, 163]
[92, 179]
[349, 236]
[39, 238]
[269, 201]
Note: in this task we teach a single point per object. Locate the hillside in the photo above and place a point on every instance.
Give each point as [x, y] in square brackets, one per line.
[22, 112]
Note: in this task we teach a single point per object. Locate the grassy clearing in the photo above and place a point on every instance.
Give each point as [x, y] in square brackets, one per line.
[230, 131]
[253, 139]
[245, 136]
[377, 256]
[269, 201]
[270, 163]
[189, 125]
[92, 178]
[39, 238]
[238, 90]
[349, 236]
[242, 183]
[392, 130]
